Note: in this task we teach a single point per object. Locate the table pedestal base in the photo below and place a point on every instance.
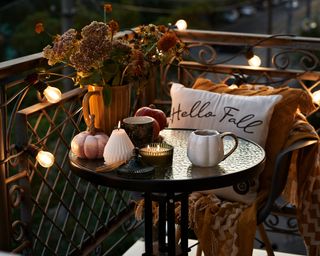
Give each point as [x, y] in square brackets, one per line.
[167, 244]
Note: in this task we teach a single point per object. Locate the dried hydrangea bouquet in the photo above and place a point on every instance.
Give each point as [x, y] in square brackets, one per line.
[101, 57]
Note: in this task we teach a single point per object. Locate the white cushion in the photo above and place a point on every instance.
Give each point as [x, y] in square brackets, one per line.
[246, 116]
[245, 192]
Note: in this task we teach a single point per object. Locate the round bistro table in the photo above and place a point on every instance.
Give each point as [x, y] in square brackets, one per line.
[174, 183]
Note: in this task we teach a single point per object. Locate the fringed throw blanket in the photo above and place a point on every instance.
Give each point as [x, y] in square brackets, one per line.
[215, 223]
[303, 186]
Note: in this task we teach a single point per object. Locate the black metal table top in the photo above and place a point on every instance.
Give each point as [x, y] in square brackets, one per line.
[246, 161]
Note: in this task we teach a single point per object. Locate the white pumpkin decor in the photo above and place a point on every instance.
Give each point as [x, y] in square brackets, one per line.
[89, 144]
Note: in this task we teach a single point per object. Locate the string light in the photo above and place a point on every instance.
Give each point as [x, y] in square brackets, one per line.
[253, 60]
[181, 24]
[316, 97]
[44, 158]
[52, 94]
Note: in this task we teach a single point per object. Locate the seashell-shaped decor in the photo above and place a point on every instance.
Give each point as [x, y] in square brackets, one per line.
[118, 148]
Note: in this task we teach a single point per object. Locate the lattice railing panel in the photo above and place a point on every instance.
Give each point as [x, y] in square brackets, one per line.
[67, 213]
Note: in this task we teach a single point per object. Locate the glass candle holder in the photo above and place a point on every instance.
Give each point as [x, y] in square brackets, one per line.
[157, 154]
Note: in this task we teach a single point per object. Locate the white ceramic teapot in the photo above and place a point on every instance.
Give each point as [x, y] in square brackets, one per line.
[205, 147]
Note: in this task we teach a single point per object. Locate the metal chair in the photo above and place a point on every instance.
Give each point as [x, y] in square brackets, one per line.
[278, 183]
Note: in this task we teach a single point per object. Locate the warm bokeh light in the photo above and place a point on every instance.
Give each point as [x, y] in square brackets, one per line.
[254, 61]
[313, 25]
[52, 94]
[181, 24]
[45, 158]
[316, 97]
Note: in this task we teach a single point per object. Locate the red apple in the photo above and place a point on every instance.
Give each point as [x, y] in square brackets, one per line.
[157, 114]
[156, 129]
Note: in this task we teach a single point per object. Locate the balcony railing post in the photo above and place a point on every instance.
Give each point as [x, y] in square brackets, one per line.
[4, 205]
[26, 204]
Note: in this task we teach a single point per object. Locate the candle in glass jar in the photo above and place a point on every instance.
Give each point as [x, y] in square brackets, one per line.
[157, 154]
[118, 148]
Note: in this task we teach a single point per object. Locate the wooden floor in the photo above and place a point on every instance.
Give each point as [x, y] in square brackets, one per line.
[138, 249]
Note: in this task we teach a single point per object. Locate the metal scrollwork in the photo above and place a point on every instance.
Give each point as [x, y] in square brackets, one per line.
[13, 151]
[272, 221]
[15, 193]
[292, 224]
[206, 54]
[307, 60]
[274, 224]
[19, 230]
[281, 60]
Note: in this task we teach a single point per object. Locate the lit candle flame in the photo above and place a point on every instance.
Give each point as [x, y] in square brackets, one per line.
[158, 147]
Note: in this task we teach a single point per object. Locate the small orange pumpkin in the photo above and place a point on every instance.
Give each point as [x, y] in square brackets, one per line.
[89, 144]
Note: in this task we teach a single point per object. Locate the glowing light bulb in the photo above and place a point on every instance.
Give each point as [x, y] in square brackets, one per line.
[52, 94]
[254, 61]
[45, 158]
[316, 97]
[313, 25]
[181, 24]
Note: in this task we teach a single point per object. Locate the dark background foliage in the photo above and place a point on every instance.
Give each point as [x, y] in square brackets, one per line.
[18, 17]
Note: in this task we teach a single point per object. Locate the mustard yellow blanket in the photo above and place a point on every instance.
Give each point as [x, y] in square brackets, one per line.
[303, 187]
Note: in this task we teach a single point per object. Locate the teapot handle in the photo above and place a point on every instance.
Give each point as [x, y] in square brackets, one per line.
[85, 107]
[235, 138]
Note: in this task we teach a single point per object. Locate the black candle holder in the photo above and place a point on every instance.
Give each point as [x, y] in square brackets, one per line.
[136, 167]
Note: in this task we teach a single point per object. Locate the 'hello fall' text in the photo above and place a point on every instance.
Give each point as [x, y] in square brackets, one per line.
[230, 114]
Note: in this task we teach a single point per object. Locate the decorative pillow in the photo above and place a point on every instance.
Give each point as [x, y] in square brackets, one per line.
[247, 117]
[245, 192]
[282, 119]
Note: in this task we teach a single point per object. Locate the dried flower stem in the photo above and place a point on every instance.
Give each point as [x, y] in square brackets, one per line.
[123, 74]
[55, 74]
[150, 49]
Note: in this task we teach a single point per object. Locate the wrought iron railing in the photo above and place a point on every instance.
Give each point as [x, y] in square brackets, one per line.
[50, 211]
